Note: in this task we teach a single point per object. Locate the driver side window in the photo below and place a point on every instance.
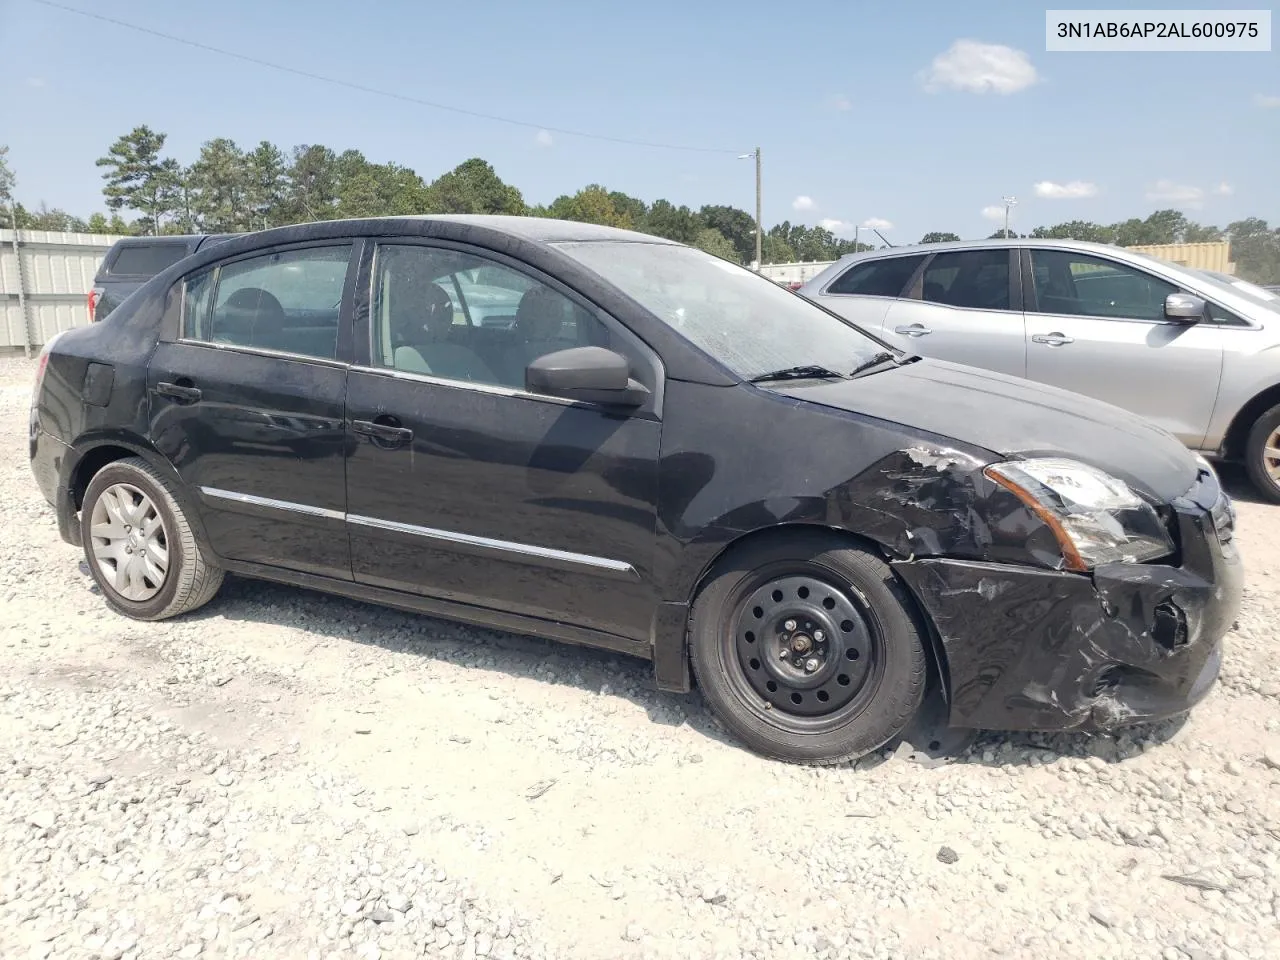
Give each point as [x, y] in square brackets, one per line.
[1077, 284]
[452, 315]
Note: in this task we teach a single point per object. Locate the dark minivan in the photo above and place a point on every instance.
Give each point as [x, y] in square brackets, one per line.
[642, 447]
[132, 261]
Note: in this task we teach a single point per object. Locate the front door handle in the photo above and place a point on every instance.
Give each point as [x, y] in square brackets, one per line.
[913, 330]
[1053, 339]
[384, 428]
[177, 391]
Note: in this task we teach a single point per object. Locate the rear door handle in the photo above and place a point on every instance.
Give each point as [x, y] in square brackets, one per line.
[176, 391]
[1053, 339]
[913, 330]
[384, 428]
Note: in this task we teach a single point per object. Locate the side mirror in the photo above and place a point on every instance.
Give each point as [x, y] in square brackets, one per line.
[1184, 308]
[590, 374]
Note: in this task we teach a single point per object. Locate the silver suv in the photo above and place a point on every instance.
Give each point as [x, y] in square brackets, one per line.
[1187, 351]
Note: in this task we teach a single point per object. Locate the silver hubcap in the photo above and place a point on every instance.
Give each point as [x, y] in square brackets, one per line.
[129, 542]
[1271, 455]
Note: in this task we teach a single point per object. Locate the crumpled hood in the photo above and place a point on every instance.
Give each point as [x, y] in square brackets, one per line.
[1013, 417]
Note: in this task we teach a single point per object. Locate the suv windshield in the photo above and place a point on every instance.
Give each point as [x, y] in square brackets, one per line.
[747, 322]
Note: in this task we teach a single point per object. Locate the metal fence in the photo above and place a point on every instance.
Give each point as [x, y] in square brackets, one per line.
[45, 279]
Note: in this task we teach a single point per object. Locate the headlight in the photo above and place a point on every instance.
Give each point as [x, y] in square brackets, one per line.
[1096, 517]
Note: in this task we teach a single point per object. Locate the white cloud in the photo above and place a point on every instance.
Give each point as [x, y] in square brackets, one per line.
[994, 213]
[1224, 189]
[1267, 101]
[979, 68]
[802, 203]
[1071, 190]
[544, 138]
[841, 102]
[876, 223]
[35, 81]
[835, 226]
[1179, 194]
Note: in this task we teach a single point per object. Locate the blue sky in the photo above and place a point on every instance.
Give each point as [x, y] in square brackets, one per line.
[864, 112]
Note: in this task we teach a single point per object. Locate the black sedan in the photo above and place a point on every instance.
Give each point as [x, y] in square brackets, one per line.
[607, 438]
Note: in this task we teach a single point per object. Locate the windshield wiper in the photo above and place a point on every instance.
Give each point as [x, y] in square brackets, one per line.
[884, 356]
[804, 372]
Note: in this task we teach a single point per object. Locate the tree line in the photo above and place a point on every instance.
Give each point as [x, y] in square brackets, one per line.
[229, 189]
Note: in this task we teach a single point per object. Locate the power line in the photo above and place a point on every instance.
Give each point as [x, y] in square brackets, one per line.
[374, 90]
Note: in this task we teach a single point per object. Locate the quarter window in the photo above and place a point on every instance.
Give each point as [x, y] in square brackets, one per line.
[448, 314]
[877, 278]
[1078, 284]
[287, 301]
[978, 279]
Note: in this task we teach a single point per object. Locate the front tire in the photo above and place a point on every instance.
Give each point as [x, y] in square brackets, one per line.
[139, 546]
[806, 648]
[1262, 454]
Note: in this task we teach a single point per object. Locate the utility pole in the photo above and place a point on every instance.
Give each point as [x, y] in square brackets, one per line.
[759, 225]
[1008, 202]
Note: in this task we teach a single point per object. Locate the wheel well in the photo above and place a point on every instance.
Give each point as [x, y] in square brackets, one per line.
[937, 655]
[1238, 432]
[88, 467]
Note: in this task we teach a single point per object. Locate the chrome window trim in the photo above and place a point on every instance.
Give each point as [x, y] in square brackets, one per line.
[506, 546]
[490, 388]
[262, 352]
[250, 500]
[428, 533]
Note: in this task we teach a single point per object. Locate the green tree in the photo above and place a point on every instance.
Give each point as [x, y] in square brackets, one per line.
[936, 237]
[591, 204]
[267, 188]
[219, 183]
[1076, 230]
[715, 242]
[738, 226]
[313, 185]
[774, 249]
[138, 179]
[7, 180]
[635, 211]
[665, 219]
[1255, 248]
[473, 187]
[1202, 233]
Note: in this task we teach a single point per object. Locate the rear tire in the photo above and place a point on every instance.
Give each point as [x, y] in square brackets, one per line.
[1264, 467]
[806, 648]
[139, 546]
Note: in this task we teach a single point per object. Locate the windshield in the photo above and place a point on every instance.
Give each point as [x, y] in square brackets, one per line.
[747, 322]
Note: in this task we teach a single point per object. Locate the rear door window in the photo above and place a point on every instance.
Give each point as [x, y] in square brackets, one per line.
[145, 259]
[877, 278]
[286, 301]
[976, 279]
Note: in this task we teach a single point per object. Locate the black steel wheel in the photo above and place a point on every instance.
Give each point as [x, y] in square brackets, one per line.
[807, 648]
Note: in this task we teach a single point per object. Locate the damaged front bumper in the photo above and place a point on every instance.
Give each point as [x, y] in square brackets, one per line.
[1035, 649]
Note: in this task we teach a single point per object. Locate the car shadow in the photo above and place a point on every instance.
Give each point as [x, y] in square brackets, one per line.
[585, 668]
[1235, 480]
[926, 744]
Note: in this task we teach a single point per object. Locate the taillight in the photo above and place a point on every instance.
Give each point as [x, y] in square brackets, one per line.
[93, 301]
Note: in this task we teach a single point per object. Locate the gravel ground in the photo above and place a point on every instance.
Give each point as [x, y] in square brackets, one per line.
[289, 775]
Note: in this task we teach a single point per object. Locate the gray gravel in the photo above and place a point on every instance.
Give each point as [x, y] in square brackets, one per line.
[288, 775]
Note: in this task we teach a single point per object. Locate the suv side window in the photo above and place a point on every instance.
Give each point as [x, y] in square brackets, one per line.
[884, 277]
[978, 279]
[286, 301]
[1078, 284]
[453, 315]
